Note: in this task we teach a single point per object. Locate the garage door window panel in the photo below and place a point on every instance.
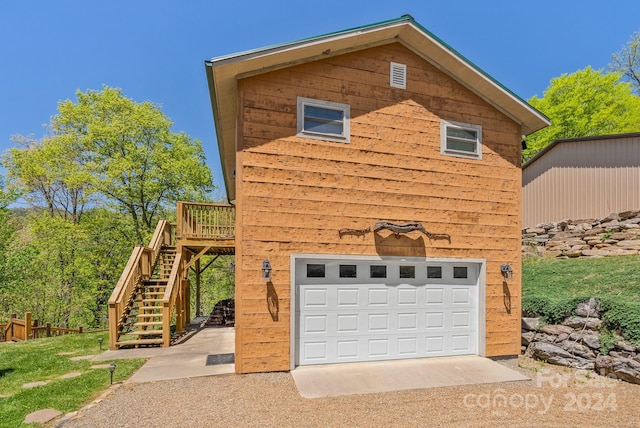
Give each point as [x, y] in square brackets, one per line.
[315, 270]
[407, 272]
[377, 271]
[348, 271]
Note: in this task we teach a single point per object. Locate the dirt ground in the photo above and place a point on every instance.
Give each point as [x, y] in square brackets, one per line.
[554, 397]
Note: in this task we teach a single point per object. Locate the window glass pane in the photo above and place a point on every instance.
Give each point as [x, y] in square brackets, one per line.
[378, 271]
[463, 146]
[407, 271]
[323, 127]
[348, 271]
[459, 271]
[466, 134]
[315, 270]
[434, 271]
[323, 113]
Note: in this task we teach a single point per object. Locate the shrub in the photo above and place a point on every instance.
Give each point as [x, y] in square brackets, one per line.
[552, 311]
[623, 318]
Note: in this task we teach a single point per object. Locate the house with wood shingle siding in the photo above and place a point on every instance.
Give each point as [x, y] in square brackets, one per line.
[376, 177]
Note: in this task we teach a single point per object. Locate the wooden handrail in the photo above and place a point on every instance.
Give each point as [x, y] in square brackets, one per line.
[169, 299]
[138, 267]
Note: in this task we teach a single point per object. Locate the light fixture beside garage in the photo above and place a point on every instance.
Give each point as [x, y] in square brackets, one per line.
[507, 272]
[266, 270]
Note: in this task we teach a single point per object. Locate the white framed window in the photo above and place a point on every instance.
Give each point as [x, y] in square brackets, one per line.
[323, 120]
[460, 139]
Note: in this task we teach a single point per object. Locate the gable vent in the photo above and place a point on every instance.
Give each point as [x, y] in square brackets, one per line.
[398, 75]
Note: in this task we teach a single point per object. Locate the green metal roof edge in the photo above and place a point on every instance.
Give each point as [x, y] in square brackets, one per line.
[236, 56]
[404, 18]
[474, 66]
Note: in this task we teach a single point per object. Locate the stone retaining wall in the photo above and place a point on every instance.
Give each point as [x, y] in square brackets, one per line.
[576, 343]
[618, 234]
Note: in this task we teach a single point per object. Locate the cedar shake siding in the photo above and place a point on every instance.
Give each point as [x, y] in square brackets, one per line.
[294, 194]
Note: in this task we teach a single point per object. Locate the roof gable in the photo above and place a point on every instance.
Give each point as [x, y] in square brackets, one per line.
[224, 72]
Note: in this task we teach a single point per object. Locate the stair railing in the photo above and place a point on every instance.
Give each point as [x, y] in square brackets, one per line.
[173, 293]
[138, 267]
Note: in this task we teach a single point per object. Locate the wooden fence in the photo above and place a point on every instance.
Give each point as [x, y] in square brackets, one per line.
[27, 328]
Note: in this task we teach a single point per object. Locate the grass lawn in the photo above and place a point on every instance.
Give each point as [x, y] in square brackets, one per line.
[552, 288]
[41, 360]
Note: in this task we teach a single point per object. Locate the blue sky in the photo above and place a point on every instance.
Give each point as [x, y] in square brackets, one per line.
[155, 50]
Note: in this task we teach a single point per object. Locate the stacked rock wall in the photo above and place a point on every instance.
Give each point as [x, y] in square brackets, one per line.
[576, 343]
[618, 234]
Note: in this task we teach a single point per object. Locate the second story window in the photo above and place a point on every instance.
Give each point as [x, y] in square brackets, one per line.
[323, 120]
[460, 139]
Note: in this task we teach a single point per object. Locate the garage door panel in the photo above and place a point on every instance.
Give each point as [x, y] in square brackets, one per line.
[461, 296]
[378, 297]
[408, 296]
[315, 351]
[434, 296]
[461, 343]
[407, 321]
[388, 318]
[347, 323]
[347, 297]
[434, 345]
[347, 349]
[315, 324]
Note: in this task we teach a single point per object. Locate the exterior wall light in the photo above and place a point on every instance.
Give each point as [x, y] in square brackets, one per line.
[232, 268]
[266, 270]
[507, 272]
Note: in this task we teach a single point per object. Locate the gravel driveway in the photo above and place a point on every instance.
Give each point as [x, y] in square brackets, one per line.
[554, 397]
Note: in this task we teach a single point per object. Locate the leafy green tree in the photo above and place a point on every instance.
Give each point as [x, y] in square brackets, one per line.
[134, 158]
[97, 183]
[50, 173]
[627, 62]
[585, 103]
[7, 232]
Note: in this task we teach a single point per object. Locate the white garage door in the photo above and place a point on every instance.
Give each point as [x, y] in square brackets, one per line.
[368, 310]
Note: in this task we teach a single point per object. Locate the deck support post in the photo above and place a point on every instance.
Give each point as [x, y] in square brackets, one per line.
[198, 288]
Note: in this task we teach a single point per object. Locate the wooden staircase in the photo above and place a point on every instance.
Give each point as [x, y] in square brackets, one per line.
[142, 320]
[152, 297]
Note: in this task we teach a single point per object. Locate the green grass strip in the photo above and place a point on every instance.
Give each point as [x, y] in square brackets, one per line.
[40, 361]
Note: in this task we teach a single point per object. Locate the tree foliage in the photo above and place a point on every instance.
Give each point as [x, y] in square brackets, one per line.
[585, 103]
[627, 62]
[136, 162]
[97, 183]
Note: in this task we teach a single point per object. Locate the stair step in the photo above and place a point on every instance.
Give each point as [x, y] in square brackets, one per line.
[152, 301]
[149, 308]
[140, 342]
[157, 315]
[145, 333]
[148, 323]
[151, 281]
[154, 293]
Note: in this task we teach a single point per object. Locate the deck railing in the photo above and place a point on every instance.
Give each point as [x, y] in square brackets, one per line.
[28, 328]
[139, 266]
[205, 221]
